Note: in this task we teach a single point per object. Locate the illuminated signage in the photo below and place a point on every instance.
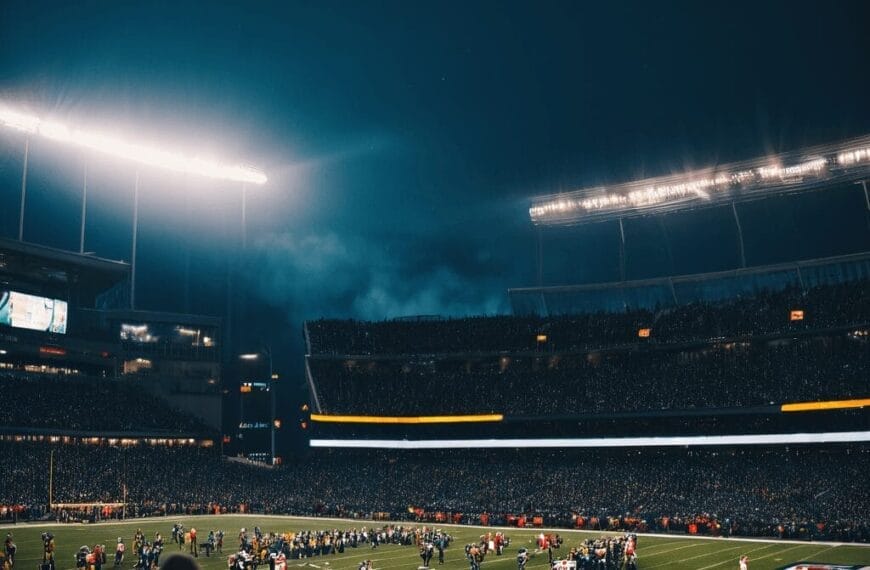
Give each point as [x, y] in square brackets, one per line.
[24, 311]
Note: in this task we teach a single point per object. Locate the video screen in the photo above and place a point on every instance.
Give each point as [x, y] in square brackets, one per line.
[32, 312]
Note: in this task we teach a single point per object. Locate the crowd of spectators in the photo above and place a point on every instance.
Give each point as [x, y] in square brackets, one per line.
[757, 314]
[723, 375]
[72, 403]
[745, 491]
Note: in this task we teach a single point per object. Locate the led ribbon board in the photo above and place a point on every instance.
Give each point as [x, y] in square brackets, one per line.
[458, 419]
[764, 439]
[826, 405]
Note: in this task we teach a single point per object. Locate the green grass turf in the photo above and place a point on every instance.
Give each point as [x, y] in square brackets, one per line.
[664, 552]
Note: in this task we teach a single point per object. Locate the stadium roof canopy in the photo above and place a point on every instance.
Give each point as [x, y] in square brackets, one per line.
[661, 292]
[34, 263]
[809, 169]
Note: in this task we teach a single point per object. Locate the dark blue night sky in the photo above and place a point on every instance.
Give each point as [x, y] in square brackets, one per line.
[404, 139]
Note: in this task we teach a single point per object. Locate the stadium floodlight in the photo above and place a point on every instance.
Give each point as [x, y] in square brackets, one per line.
[250, 356]
[18, 121]
[854, 156]
[55, 131]
[809, 169]
[118, 147]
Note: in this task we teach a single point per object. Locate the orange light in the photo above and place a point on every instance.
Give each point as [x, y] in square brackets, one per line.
[475, 418]
[826, 405]
[541, 338]
[643, 333]
[53, 350]
[245, 389]
[277, 424]
[305, 407]
[796, 315]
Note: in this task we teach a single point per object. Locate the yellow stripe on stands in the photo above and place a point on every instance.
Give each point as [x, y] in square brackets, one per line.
[477, 418]
[828, 405]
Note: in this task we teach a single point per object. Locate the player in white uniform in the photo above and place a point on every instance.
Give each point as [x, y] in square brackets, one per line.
[744, 562]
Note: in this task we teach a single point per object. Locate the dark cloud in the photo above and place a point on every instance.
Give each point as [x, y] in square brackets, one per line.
[332, 275]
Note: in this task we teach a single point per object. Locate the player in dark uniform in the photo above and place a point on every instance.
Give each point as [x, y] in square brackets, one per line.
[522, 559]
[9, 548]
[48, 550]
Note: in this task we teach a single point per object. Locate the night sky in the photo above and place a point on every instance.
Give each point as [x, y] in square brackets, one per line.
[403, 140]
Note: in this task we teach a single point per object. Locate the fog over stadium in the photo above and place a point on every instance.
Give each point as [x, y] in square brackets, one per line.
[444, 273]
[420, 159]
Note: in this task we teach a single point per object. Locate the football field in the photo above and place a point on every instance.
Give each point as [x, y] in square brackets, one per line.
[664, 552]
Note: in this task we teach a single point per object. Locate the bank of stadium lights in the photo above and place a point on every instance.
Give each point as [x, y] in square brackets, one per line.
[700, 187]
[810, 167]
[854, 156]
[119, 148]
[759, 175]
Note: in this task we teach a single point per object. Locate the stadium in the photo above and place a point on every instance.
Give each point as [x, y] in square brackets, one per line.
[680, 381]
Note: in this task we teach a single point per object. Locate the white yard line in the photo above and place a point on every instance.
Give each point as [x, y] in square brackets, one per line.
[692, 557]
[752, 559]
[639, 552]
[779, 552]
[813, 555]
[646, 549]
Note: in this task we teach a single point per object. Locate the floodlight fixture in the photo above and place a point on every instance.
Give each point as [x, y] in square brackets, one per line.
[808, 169]
[118, 147]
[19, 121]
